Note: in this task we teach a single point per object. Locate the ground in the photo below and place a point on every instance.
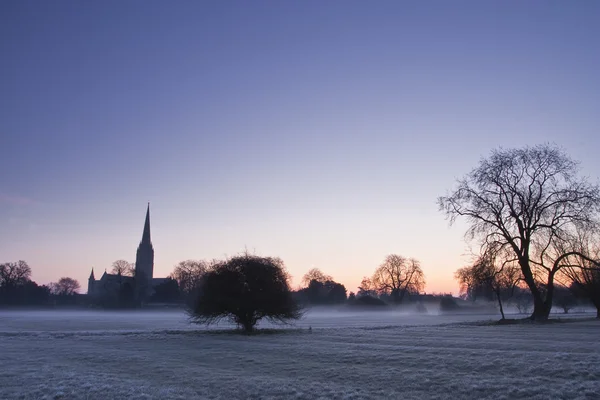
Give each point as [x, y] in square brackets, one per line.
[159, 355]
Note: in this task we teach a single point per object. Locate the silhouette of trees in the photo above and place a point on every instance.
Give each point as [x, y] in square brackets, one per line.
[188, 275]
[583, 269]
[397, 276]
[317, 275]
[490, 278]
[525, 200]
[523, 299]
[327, 292]
[123, 268]
[564, 298]
[366, 288]
[65, 287]
[13, 279]
[245, 289]
[14, 274]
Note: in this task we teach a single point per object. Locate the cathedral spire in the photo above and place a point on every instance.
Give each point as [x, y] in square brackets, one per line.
[146, 234]
[92, 274]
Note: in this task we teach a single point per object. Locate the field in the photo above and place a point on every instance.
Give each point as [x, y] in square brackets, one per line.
[159, 355]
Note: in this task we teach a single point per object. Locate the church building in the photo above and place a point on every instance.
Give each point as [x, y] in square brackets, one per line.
[140, 287]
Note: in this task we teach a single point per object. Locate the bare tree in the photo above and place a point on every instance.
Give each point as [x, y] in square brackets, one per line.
[524, 200]
[366, 288]
[123, 268]
[498, 272]
[315, 274]
[65, 287]
[583, 269]
[14, 273]
[397, 276]
[188, 275]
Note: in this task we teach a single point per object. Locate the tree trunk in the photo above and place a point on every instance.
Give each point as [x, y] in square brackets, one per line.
[596, 303]
[248, 326]
[541, 306]
[541, 311]
[500, 304]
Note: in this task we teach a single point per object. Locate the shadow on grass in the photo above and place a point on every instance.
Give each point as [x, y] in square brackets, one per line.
[255, 332]
[529, 321]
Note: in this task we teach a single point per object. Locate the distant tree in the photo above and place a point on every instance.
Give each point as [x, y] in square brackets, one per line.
[328, 292]
[13, 278]
[524, 200]
[398, 276]
[366, 288]
[315, 274]
[188, 275]
[447, 303]
[582, 270]
[245, 289]
[123, 267]
[14, 273]
[523, 299]
[564, 298]
[65, 287]
[35, 294]
[471, 287]
[351, 297]
[490, 277]
[369, 301]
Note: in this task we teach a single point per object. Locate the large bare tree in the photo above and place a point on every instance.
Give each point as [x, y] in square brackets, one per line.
[398, 276]
[526, 200]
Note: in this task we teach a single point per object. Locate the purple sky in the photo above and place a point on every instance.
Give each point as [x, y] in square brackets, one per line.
[321, 132]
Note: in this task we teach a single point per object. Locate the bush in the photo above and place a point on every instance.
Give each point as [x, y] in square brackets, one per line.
[369, 301]
[447, 303]
[245, 289]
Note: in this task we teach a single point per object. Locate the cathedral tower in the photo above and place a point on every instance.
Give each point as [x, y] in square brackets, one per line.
[144, 260]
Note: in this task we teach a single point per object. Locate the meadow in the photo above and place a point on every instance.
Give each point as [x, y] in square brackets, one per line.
[344, 355]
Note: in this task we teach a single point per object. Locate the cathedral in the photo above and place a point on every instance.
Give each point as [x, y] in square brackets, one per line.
[140, 287]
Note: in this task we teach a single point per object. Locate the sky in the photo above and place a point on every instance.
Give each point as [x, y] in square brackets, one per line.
[321, 132]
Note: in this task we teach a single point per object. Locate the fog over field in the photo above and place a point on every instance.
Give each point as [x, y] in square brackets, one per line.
[346, 355]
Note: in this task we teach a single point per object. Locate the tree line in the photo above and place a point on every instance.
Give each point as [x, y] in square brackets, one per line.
[17, 288]
[533, 220]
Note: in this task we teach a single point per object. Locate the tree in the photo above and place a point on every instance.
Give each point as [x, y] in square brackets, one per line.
[14, 273]
[524, 200]
[586, 284]
[490, 278]
[564, 298]
[583, 270]
[470, 286]
[366, 288]
[315, 274]
[65, 287]
[328, 292]
[123, 268]
[188, 275]
[13, 277]
[245, 289]
[397, 276]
